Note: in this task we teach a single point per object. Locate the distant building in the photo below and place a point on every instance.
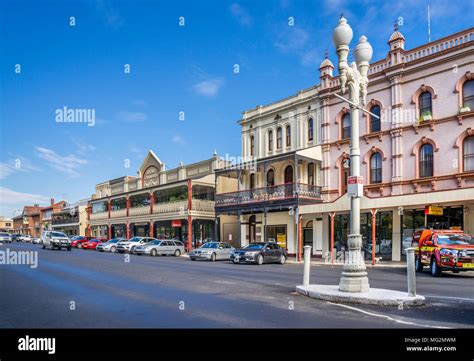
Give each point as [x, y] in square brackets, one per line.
[6, 225]
[71, 219]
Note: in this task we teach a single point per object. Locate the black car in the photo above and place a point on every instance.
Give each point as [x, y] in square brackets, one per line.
[259, 253]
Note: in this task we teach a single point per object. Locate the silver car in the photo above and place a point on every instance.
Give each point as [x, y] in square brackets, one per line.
[212, 251]
[5, 237]
[161, 248]
[110, 245]
[131, 244]
[53, 239]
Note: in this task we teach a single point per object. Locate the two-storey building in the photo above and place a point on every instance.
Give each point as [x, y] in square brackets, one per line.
[164, 203]
[71, 219]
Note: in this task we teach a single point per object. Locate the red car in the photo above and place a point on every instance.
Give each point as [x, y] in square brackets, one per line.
[92, 244]
[77, 241]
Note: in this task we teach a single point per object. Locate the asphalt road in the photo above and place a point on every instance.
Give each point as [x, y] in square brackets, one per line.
[162, 292]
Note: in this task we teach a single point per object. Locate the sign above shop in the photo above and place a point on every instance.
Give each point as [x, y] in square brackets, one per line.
[176, 223]
[433, 210]
[355, 185]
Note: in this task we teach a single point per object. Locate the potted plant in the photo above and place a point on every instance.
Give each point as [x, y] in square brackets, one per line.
[464, 109]
[426, 116]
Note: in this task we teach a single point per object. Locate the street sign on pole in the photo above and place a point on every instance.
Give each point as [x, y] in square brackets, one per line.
[355, 185]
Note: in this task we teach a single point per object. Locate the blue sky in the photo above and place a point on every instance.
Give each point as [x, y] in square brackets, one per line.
[173, 69]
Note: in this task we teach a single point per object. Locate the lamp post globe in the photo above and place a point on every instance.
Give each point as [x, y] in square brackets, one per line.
[342, 34]
[363, 51]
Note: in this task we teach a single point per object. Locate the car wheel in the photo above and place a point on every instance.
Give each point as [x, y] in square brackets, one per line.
[418, 265]
[44, 246]
[435, 270]
[153, 252]
[282, 259]
[79, 245]
[213, 257]
[234, 261]
[192, 258]
[177, 253]
[51, 247]
[113, 249]
[132, 250]
[259, 259]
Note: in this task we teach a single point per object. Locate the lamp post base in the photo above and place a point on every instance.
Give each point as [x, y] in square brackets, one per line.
[354, 282]
[354, 276]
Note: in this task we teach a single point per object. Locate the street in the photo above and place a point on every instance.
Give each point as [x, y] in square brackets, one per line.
[92, 289]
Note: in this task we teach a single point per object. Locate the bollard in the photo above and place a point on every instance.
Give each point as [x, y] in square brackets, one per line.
[306, 265]
[411, 271]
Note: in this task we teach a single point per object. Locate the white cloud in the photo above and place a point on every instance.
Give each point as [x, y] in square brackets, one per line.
[17, 164]
[208, 88]
[69, 164]
[11, 197]
[241, 14]
[178, 139]
[132, 117]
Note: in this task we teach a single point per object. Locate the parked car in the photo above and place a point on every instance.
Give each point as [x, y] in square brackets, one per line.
[259, 253]
[5, 238]
[26, 238]
[443, 250]
[92, 244]
[36, 240]
[129, 245]
[77, 241]
[110, 245]
[212, 251]
[15, 237]
[161, 248]
[54, 239]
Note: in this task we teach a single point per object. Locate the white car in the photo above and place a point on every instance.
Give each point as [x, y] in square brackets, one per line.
[212, 251]
[110, 245]
[5, 238]
[25, 238]
[36, 241]
[53, 239]
[129, 245]
[161, 248]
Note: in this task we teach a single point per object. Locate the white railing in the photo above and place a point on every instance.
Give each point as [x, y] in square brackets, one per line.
[102, 215]
[172, 207]
[139, 211]
[118, 213]
[203, 205]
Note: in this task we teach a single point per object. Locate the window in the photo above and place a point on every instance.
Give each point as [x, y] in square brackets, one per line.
[279, 137]
[376, 168]
[270, 141]
[345, 171]
[346, 126]
[252, 146]
[426, 161]
[252, 181]
[310, 130]
[468, 94]
[468, 153]
[288, 136]
[311, 174]
[374, 122]
[424, 102]
[270, 178]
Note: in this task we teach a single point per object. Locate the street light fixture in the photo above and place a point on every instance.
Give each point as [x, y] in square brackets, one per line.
[354, 77]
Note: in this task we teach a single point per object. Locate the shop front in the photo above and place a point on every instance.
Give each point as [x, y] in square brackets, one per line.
[118, 230]
[140, 229]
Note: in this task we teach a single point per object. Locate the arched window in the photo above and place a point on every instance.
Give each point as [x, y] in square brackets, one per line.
[311, 174]
[468, 94]
[270, 178]
[426, 161]
[252, 146]
[345, 171]
[376, 168]
[424, 103]
[252, 181]
[374, 122]
[346, 126]
[288, 136]
[468, 154]
[270, 140]
[310, 130]
[279, 137]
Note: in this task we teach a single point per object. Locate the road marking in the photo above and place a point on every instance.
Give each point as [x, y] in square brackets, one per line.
[387, 317]
[453, 298]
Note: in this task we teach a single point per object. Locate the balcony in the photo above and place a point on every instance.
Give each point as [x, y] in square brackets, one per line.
[272, 197]
[118, 213]
[139, 211]
[65, 220]
[97, 216]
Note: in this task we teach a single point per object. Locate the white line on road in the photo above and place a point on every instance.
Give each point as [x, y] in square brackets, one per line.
[386, 317]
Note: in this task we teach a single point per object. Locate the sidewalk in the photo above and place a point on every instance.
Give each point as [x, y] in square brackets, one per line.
[382, 264]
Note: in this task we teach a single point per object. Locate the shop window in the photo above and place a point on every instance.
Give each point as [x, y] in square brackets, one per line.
[426, 161]
[375, 123]
[376, 168]
[118, 204]
[346, 126]
[270, 178]
[468, 153]
[203, 192]
[277, 234]
[177, 194]
[468, 94]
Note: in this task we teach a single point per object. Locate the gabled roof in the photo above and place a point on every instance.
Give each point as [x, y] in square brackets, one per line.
[149, 155]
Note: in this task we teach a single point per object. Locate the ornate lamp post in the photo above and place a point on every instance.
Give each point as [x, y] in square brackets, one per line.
[354, 76]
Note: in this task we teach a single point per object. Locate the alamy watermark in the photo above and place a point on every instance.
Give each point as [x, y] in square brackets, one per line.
[75, 115]
[9, 257]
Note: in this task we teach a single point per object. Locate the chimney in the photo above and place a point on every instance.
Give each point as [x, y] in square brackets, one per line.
[52, 201]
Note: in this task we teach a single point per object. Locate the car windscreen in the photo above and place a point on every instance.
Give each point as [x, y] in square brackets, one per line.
[76, 238]
[209, 245]
[155, 243]
[114, 240]
[455, 239]
[4, 234]
[254, 246]
[58, 234]
[134, 239]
